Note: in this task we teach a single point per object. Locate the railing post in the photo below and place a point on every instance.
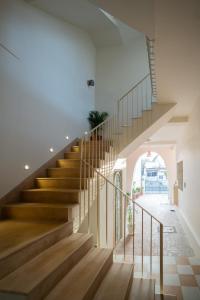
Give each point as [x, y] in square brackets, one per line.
[98, 212]
[106, 213]
[133, 202]
[161, 258]
[80, 192]
[142, 250]
[124, 199]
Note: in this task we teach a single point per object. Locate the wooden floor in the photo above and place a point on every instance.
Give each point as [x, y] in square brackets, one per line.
[11, 233]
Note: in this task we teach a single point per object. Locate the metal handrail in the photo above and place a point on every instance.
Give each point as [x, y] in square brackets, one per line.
[151, 61]
[133, 87]
[99, 150]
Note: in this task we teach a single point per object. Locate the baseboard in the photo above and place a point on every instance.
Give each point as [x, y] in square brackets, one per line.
[191, 235]
[28, 183]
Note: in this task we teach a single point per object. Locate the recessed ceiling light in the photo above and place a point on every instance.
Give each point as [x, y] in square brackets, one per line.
[26, 167]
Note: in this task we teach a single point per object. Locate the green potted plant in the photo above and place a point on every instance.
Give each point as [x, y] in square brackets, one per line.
[95, 118]
[137, 191]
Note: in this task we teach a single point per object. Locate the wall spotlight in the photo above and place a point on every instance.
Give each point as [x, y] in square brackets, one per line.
[90, 82]
[51, 150]
[26, 167]
[67, 137]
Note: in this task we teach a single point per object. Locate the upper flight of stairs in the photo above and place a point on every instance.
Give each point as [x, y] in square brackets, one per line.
[41, 254]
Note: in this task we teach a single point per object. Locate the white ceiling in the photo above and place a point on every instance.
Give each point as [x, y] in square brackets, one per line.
[170, 134]
[103, 28]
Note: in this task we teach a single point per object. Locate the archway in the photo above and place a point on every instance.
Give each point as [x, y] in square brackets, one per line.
[150, 175]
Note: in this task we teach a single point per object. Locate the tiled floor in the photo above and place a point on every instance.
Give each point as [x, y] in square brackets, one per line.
[181, 267]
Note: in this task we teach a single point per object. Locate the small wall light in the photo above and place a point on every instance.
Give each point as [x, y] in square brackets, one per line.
[67, 137]
[26, 167]
[86, 132]
[51, 150]
[90, 82]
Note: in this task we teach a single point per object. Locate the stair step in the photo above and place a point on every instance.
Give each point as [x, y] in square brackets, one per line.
[50, 195]
[142, 289]
[67, 172]
[84, 279]
[74, 163]
[21, 241]
[90, 153]
[75, 149]
[37, 277]
[38, 211]
[60, 183]
[117, 283]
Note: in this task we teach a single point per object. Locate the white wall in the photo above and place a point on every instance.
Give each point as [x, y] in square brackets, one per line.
[118, 69]
[189, 153]
[44, 95]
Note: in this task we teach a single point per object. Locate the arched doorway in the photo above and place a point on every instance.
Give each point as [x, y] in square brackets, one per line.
[150, 175]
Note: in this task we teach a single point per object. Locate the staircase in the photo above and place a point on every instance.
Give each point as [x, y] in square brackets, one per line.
[41, 257]
[51, 240]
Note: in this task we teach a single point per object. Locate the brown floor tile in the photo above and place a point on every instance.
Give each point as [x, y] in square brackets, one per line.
[187, 280]
[196, 269]
[171, 269]
[182, 260]
[173, 290]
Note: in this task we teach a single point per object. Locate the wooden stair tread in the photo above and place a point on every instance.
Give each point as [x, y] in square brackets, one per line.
[142, 289]
[63, 168]
[59, 178]
[37, 190]
[39, 268]
[116, 283]
[52, 205]
[11, 236]
[84, 278]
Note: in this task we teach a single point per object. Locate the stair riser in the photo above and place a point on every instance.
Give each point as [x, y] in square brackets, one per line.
[88, 154]
[62, 172]
[44, 287]
[50, 197]
[53, 214]
[91, 146]
[67, 163]
[60, 183]
[99, 145]
[11, 262]
[75, 149]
